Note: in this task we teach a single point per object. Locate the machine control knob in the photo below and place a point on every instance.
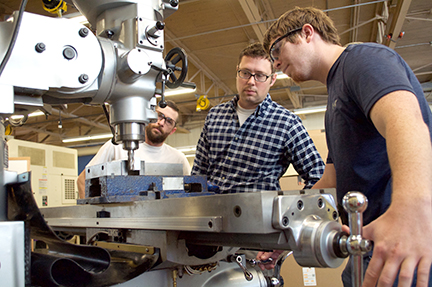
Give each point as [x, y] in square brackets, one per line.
[354, 202]
[154, 32]
[177, 67]
[160, 25]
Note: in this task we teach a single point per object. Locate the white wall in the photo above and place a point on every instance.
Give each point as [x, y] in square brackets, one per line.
[314, 121]
[179, 139]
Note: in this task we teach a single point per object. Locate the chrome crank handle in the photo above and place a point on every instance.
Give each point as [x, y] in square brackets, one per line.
[355, 203]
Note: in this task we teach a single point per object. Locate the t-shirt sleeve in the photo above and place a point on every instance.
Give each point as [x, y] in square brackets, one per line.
[373, 76]
[104, 154]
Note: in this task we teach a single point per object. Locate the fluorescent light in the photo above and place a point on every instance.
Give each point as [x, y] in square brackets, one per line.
[34, 114]
[310, 110]
[179, 91]
[88, 138]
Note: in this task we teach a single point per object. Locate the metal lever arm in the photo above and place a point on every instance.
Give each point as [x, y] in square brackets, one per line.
[355, 203]
[238, 259]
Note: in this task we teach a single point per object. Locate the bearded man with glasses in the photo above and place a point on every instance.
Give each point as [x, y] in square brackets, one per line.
[248, 143]
[153, 150]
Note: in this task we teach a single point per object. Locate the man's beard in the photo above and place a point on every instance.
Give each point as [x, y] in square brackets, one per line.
[155, 138]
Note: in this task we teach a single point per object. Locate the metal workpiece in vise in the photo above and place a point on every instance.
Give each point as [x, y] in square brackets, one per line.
[113, 182]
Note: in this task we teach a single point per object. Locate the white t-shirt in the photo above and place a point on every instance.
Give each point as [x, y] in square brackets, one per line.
[151, 154]
[243, 114]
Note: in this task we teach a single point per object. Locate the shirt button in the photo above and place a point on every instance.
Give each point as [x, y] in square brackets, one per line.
[223, 177]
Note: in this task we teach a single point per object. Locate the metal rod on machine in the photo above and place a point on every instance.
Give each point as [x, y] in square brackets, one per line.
[3, 191]
[131, 161]
[355, 203]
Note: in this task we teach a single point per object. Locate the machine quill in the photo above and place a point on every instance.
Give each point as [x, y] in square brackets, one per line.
[144, 224]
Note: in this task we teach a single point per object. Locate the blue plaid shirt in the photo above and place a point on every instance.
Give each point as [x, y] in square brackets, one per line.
[254, 156]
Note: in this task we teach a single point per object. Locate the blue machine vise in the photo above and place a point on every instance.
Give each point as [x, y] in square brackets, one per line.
[112, 183]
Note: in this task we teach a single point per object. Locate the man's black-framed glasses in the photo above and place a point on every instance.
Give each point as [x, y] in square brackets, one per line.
[245, 74]
[169, 121]
[277, 45]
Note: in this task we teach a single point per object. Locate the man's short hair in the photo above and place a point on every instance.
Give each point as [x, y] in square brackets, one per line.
[298, 17]
[172, 105]
[255, 50]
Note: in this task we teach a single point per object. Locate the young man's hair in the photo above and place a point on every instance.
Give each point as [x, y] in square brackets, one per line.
[298, 17]
[255, 50]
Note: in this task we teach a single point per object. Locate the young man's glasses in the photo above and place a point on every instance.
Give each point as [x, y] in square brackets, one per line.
[277, 45]
[169, 121]
[245, 74]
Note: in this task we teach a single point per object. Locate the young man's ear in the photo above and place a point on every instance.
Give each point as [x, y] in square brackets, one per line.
[173, 131]
[273, 79]
[308, 31]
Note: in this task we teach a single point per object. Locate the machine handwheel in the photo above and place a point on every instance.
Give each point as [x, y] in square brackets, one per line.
[177, 66]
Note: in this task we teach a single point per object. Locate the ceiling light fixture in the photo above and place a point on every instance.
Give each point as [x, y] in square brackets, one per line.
[87, 138]
[179, 91]
[34, 114]
[310, 110]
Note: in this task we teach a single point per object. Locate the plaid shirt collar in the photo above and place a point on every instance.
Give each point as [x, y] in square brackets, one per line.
[262, 107]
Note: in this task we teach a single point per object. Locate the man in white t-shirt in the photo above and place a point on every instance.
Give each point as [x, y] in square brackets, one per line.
[153, 150]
